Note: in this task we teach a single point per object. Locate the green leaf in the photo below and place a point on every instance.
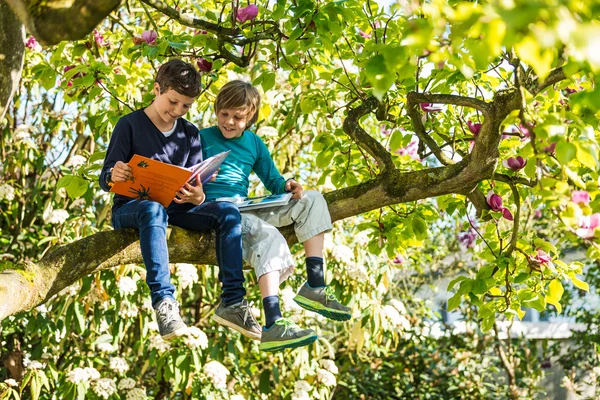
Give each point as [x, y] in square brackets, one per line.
[579, 283]
[396, 140]
[455, 281]
[587, 154]
[554, 294]
[268, 80]
[76, 186]
[419, 228]
[565, 152]
[379, 76]
[454, 301]
[264, 384]
[488, 323]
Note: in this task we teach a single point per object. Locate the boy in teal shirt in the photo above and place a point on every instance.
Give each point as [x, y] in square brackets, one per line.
[263, 246]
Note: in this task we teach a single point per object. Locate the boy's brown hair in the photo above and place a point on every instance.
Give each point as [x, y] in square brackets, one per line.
[239, 94]
[180, 76]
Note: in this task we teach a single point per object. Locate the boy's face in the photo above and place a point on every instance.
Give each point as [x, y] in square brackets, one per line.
[233, 121]
[171, 105]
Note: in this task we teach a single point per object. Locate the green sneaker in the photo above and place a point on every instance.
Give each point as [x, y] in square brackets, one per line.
[284, 334]
[322, 300]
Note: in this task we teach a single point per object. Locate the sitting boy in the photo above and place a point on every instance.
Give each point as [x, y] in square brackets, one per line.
[264, 248]
[159, 132]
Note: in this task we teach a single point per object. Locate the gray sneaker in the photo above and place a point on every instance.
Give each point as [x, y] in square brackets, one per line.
[284, 334]
[239, 317]
[322, 300]
[170, 324]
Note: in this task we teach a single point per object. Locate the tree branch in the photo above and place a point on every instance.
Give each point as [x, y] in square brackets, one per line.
[363, 139]
[415, 97]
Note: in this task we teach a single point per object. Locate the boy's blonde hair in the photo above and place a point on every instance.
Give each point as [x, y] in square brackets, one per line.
[239, 95]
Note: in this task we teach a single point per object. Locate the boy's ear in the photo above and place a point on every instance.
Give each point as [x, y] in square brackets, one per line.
[156, 88]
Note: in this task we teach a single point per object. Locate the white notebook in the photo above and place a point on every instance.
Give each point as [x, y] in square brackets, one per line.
[253, 203]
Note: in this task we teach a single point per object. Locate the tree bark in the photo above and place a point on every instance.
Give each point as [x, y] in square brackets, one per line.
[12, 55]
[52, 21]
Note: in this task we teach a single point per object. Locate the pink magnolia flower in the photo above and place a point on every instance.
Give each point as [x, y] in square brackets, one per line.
[99, 39]
[247, 13]
[537, 214]
[587, 224]
[68, 68]
[149, 37]
[474, 127]
[398, 260]
[542, 257]
[551, 149]
[365, 35]
[515, 163]
[385, 130]
[431, 107]
[524, 131]
[200, 32]
[31, 43]
[204, 65]
[495, 203]
[411, 150]
[580, 196]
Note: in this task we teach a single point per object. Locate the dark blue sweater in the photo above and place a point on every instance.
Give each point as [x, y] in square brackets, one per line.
[135, 133]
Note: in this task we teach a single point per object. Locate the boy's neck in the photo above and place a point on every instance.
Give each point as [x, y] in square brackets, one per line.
[161, 125]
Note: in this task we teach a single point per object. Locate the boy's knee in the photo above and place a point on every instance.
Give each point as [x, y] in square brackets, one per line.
[229, 215]
[153, 212]
[315, 197]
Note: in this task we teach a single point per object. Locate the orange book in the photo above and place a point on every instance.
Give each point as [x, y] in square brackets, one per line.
[159, 181]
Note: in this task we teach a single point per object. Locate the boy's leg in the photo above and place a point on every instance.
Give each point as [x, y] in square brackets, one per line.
[224, 218]
[266, 250]
[311, 220]
[150, 219]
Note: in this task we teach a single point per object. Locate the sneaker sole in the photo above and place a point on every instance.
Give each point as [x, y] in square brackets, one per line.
[317, 307]
[288, 344]
[175, 334]
[247, 333]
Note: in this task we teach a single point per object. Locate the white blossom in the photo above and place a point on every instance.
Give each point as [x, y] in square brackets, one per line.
[11, 382]
[77, 376]
[328, 243]
[105, 387]
[153, 326]
[126, 384]
[127, 285]
[330, 366]
[394, 317]
[136, 394]
[23, 132]
[128, 310]
[237, 397]
[57, 216]
[104, 327]
[300, 395]
[326, 377]
[302, 385]
[76, 161]
[7, 192]
[92, 373]
[105, 347]
[267, 131]
[357, 273]
[187, 274]
[362, 238]
[342, 253]
[195, 338]
[119, 365]
[35, 365]
[217, 373]
[158, 343]
[398, 305]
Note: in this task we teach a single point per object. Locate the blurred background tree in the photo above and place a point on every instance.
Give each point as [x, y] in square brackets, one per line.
[453, 140]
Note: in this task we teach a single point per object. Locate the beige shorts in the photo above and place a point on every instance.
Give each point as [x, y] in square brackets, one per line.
[265, 249]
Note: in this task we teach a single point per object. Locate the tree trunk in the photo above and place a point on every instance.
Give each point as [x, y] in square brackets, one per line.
[12, 55]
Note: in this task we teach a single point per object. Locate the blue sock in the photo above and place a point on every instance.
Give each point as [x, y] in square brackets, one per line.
[314, 272]
[272, 310]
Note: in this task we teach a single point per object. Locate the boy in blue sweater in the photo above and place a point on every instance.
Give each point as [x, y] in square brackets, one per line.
[159, 132]
[264, 248]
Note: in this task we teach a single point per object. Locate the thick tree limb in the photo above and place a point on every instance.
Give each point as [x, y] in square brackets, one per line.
[12, 53]
[45, 20]
[353, 129]
[555, 76]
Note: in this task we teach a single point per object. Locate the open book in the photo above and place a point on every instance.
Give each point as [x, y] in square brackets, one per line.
[159, 181]
[253, 203]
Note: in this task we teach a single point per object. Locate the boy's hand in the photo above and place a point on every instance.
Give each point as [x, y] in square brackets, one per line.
[295, 188]
[190, 194]
[214, 176]
[121, 172]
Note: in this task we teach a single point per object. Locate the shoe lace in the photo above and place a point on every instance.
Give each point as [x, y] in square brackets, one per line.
[329, 294]
[247, 308]
[286, 323]
[167, 312]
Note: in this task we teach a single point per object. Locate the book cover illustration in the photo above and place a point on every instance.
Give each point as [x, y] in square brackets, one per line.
[159, 181]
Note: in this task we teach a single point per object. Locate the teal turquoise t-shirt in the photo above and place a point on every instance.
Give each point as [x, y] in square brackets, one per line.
[248, 153]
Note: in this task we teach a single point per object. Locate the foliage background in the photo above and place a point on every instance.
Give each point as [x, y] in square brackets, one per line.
[314, 61]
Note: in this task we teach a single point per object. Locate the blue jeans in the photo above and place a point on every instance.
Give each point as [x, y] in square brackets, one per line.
[151, 219]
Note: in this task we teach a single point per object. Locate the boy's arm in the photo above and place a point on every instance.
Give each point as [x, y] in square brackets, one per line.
[119, 151]
[267, 172]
